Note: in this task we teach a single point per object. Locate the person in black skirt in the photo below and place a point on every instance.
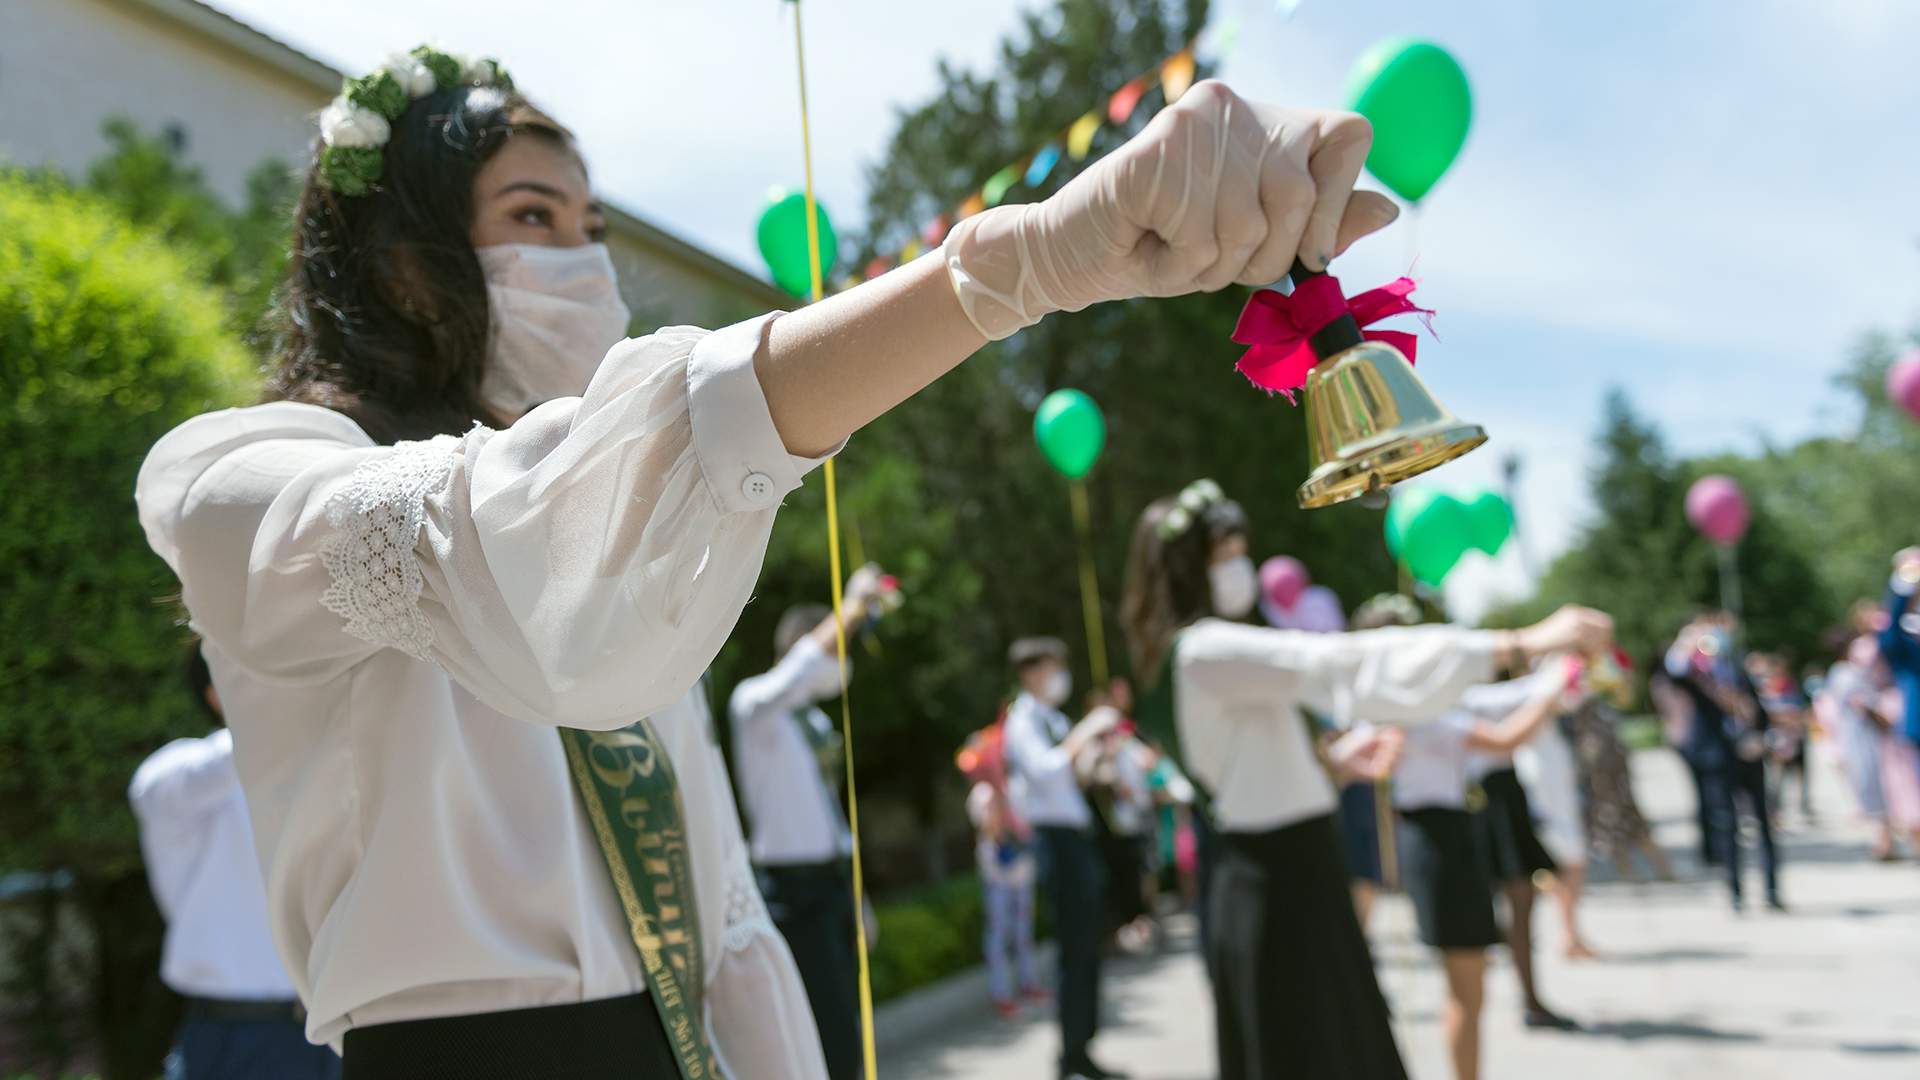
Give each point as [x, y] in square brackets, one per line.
[1441, 862]
[1512, 850]
[1295, 991]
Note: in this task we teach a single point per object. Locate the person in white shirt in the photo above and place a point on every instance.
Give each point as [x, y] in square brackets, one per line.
[1003, 852]
[459, 582]
[1044, 752]
[243, 1019]
[791, 763]
[1440, 859]
[1295, 993]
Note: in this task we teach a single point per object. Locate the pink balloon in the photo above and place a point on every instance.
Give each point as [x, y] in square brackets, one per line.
[1283, 578]
[1718, 508]
[1903, 383]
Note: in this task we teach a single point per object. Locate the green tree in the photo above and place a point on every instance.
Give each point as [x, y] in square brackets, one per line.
[950, 490]
[107, 340]
[1848, 499]
[240, 250]
[1639, 558]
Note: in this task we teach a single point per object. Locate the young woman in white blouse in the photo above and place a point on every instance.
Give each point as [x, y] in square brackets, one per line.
[459, 581]
[1294, 987]
[1441, 861]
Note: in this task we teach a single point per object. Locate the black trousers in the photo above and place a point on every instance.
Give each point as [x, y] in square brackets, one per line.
[610, 1039]
[1703, 812]
[812, 905]
[1070, 863]
[1722, 790]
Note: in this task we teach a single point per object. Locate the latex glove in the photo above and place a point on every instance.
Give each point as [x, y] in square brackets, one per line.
[862, 586]
[1217, 190]
[1572, 628]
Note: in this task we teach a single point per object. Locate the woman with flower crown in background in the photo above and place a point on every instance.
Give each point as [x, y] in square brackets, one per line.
[1293, 981]
[459, 580]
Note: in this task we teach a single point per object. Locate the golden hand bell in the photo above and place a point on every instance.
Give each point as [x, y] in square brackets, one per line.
[1371, 422]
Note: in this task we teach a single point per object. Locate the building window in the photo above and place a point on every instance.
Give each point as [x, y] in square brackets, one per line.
[175, 134]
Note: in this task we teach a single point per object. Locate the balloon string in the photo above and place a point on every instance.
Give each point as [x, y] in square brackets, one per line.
[1383, 824]
[868, 1056]
[1089, 587]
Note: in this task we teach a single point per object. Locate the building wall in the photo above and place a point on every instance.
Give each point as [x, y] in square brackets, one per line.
[66, 66]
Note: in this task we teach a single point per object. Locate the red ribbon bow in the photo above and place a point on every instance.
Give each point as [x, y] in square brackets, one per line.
[1278, 326]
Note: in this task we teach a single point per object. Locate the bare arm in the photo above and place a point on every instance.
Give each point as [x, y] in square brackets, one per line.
[833, 367]
[1523, 723]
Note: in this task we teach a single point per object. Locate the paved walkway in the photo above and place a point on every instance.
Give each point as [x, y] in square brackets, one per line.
[1684, 987]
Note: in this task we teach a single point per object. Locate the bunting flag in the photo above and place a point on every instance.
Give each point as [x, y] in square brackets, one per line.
[996, 186]
[1126, 99]
[1080, 135]
[1174, 75]
[1043, 163]
[1177, 74]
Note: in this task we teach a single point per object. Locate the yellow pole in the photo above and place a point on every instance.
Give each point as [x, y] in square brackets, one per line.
[1089, 587]
[1383, 821]
[839, 617]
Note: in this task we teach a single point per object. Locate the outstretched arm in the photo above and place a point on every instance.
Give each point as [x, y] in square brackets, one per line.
[1216, 190]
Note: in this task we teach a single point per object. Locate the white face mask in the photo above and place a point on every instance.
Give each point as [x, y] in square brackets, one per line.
[556, 311]
[1057, 688]
[1236, 585]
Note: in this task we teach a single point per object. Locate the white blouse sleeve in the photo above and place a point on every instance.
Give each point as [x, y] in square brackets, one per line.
[1393, 676]
[581, 567]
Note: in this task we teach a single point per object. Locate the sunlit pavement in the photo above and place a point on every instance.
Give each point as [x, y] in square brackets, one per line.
[1684, 988]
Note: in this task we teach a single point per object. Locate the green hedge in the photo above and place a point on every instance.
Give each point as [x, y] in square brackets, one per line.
[927, 935]
[108, 338]
[931, 933]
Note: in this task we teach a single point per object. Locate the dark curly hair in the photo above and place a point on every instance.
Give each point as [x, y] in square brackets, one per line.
[1168, 587]
[383, 314]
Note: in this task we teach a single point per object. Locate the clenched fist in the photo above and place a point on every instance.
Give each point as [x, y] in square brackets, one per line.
[1216, 191]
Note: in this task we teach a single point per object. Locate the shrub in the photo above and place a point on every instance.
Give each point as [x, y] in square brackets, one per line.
[927, 935]
[107, 340]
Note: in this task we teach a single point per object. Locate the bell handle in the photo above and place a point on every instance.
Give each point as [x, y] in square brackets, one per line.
[1337, 336]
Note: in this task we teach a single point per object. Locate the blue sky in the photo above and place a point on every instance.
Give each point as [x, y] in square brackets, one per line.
[1705, 202]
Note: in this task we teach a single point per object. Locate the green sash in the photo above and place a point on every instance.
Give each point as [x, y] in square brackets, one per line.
[644, 842]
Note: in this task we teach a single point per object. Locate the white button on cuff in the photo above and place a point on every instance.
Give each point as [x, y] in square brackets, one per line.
[757, 487]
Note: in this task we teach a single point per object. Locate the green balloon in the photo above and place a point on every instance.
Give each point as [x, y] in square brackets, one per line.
[1418, 101]
[1492, 521]
[783, 241]
[1071, 432]
[1407, 505]
[1436, 538]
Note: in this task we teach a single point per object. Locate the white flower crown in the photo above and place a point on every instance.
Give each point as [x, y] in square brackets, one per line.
[355, 126]
[1187, 508]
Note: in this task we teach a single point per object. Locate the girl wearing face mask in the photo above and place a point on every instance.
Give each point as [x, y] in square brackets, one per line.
[1292, 975]
[459, 579]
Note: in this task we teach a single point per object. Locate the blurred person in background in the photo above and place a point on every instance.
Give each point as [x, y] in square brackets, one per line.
[1705, 686]
[243, 1019]
[1848, 705]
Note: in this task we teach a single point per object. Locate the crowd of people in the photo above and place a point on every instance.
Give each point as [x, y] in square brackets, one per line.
[457, 586]
[1263, 752]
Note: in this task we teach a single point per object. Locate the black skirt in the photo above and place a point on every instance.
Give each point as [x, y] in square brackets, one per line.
[609, 1039]
[1360, 829]
[1442, 871]
[1294, 989]
[1503, 827]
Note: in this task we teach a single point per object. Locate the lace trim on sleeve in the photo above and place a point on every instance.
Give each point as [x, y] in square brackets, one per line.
[747, 916]
[370, 556]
